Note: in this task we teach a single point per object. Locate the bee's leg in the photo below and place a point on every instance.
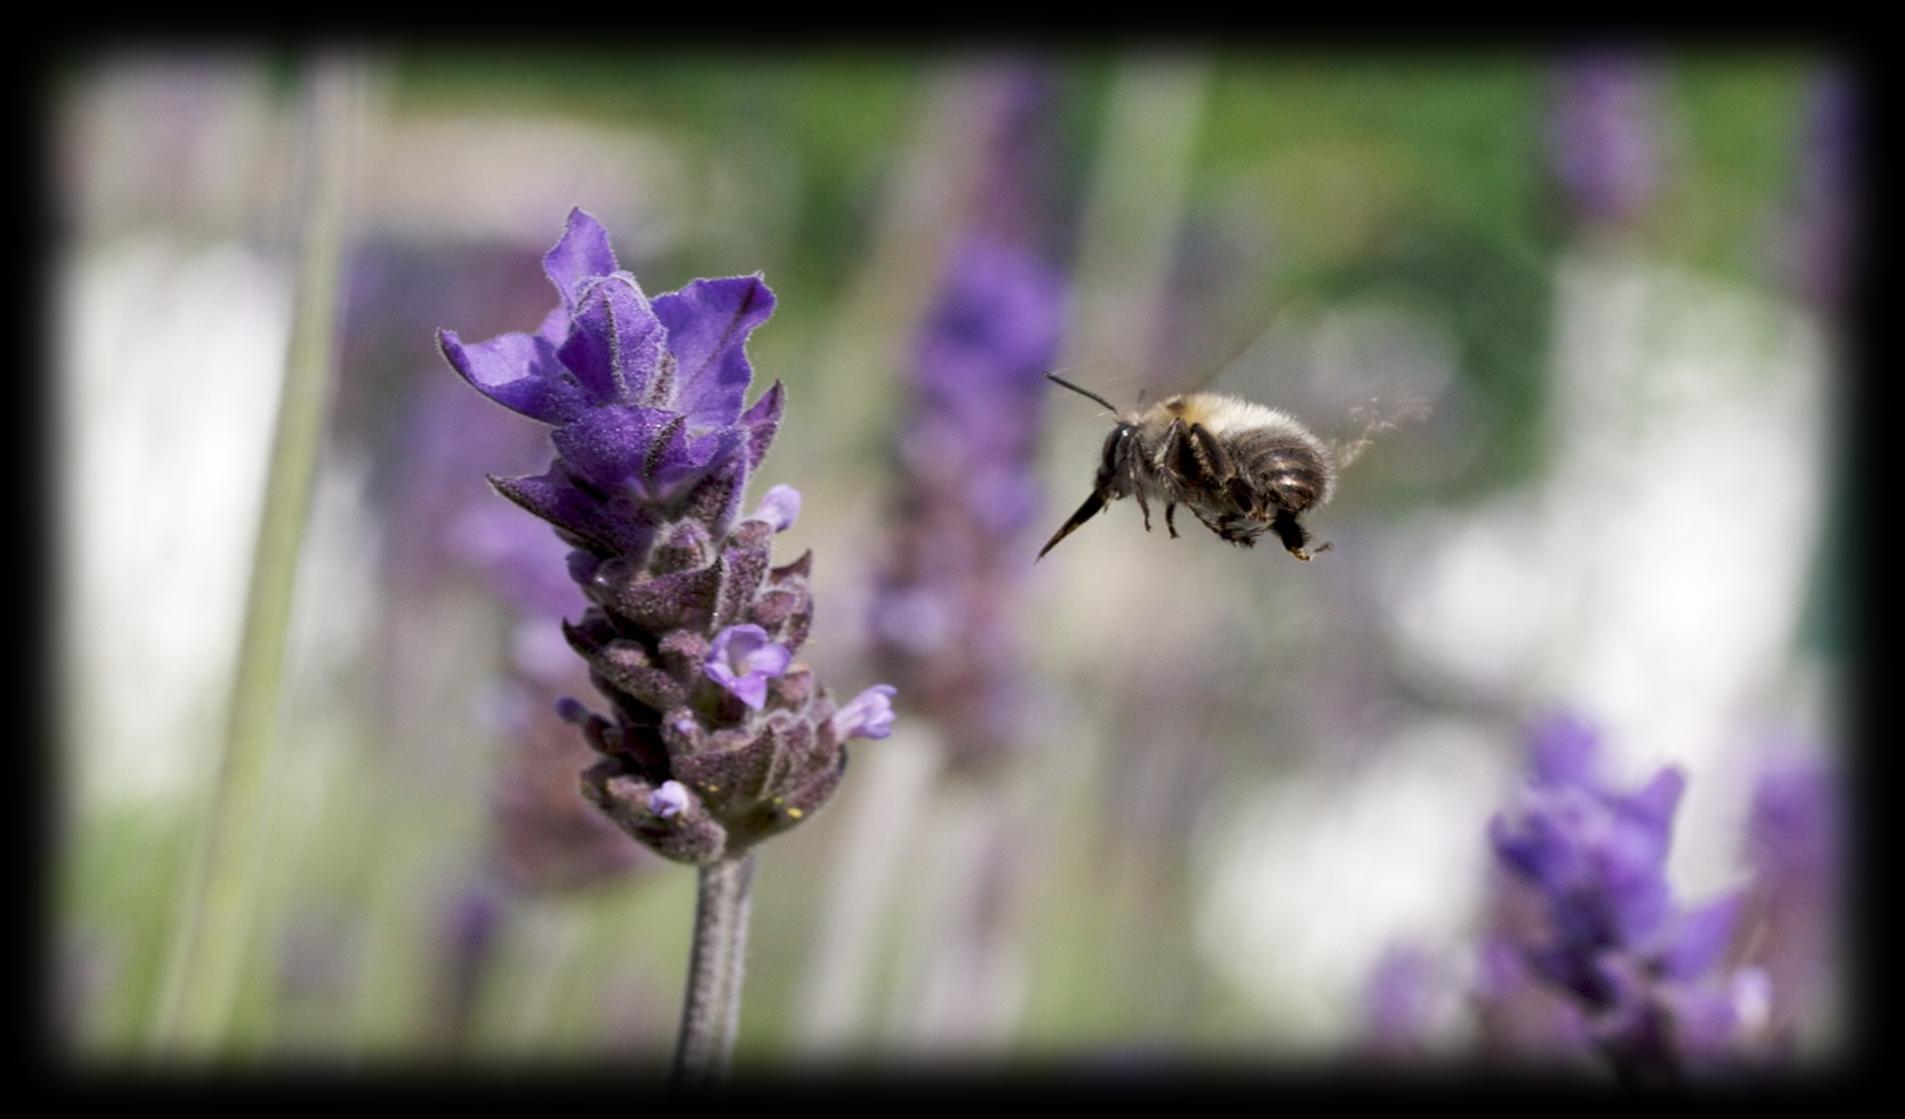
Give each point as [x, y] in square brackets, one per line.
[1294, 536]
[1170, 518]
[1230, 527]
[1173, 456]
[1143, 508]
[1214, 463]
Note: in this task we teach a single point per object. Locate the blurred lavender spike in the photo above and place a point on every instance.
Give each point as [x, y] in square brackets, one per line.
[1821, 234]
[1397, 1013]
[1643, 972]
[943, 614]
[1795, 846]
[1604, 136]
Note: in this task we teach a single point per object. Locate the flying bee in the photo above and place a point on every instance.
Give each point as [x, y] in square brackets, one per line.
[1241, 468]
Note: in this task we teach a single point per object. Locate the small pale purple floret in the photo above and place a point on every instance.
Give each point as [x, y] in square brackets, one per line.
[742, 660]
[669, 800]
[779, 508]
[867, 715]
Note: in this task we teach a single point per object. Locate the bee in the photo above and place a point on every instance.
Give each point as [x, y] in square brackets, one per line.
[1241, 468]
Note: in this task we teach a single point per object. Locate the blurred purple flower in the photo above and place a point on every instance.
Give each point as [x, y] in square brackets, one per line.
[946, 603]
[654, 446]
[545, 837]
[1398, 1009]
[1795, 846]
[522, 561]
[943, 614]
[1643, 972]
[1821, 232]
[1605, 136]
[470, 926]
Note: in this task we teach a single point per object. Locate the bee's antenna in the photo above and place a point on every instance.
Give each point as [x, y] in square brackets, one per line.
[1058, 380]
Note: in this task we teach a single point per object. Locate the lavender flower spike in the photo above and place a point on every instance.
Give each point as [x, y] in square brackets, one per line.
[693, 634]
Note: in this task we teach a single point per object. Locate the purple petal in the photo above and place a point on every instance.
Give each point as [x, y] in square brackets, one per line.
[708, 324]
[1652, 809]
[608, 445]
[668, 801]
[741, 659]
[762, 421]
[582, 253]
[779, 508]
[1638, 905]
[554, 497]
[615, 341]
[867, 715]
[750, 689]
[519, 371]
[683, 458]
[1539, 846]
[1564, 751]
[550, 496]
[554, 328]
[1701, 938]
[768, 660]
[735, 643]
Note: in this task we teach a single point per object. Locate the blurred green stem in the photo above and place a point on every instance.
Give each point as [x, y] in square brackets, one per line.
[711, 1007]
[885, 803]
[1134, 215]
[202, 984]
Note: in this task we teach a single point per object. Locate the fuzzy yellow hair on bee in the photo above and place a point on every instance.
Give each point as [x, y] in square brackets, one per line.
[1241, 468]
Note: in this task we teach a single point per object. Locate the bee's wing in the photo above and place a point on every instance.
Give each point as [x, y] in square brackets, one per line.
[1086, 512]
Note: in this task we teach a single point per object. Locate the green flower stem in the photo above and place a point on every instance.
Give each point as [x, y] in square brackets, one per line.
[711, 1008]
[202, 983]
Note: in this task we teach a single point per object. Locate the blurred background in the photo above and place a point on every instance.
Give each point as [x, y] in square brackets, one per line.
[1152, 800]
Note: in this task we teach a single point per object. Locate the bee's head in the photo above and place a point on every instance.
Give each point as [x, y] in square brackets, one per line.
[1114, 444]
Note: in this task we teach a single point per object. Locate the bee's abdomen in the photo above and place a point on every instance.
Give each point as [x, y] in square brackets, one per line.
[1292, 472]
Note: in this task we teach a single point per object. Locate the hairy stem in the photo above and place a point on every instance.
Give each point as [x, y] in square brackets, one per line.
[711, 1007]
